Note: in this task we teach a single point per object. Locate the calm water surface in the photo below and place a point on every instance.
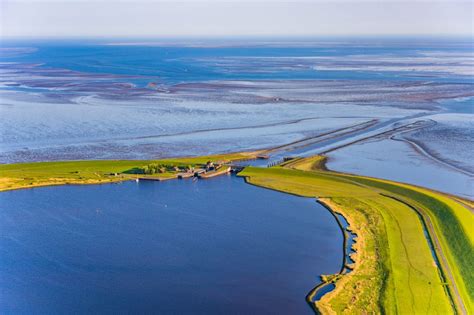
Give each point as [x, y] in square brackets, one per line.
[215, 246]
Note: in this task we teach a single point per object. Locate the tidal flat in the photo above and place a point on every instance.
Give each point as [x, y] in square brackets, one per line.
[97, 112]
[437, 156]
[138, 100]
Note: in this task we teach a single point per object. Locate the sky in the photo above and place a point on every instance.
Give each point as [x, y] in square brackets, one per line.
[214, 18]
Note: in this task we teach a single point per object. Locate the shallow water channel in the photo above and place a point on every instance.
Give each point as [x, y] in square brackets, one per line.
[207, 246]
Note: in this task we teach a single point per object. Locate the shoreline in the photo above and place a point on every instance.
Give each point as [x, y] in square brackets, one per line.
[245, 156]
[264, 178]
[312, 294]
[92, 172]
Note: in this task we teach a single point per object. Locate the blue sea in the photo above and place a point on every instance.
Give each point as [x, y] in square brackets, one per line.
[196, 61]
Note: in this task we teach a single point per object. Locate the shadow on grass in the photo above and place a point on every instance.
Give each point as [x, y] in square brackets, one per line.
[135, 170]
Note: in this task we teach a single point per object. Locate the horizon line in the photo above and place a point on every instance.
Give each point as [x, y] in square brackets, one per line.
[246, 36]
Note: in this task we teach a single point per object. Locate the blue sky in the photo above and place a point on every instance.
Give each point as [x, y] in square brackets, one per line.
[166, 18]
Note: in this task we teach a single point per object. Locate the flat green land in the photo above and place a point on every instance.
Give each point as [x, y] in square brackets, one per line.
[27, 175]
[395, 271]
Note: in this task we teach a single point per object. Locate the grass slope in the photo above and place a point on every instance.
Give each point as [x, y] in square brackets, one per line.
[453, 224]
[396, 270]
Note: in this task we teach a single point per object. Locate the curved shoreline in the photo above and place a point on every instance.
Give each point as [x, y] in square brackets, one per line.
[314, 290]
[282, 179]
[311, 295]
[440, 259]
[434, 243]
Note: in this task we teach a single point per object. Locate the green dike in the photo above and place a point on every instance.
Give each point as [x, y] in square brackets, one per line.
[394, 271]
[394, 255]
[453, 225]
[417, 285]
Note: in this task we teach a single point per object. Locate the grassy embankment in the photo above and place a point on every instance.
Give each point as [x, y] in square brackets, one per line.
[394, 271]
[27, 175]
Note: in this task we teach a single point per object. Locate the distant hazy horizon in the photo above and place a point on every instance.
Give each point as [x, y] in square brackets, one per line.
[218, 19]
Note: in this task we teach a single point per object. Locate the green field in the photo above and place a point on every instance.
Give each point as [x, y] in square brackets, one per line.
[395, 270]
[25, 175]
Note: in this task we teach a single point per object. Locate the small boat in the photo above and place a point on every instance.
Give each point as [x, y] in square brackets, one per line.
[137, 180]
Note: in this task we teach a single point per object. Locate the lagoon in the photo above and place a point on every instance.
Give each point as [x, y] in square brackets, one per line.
[207, 246]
